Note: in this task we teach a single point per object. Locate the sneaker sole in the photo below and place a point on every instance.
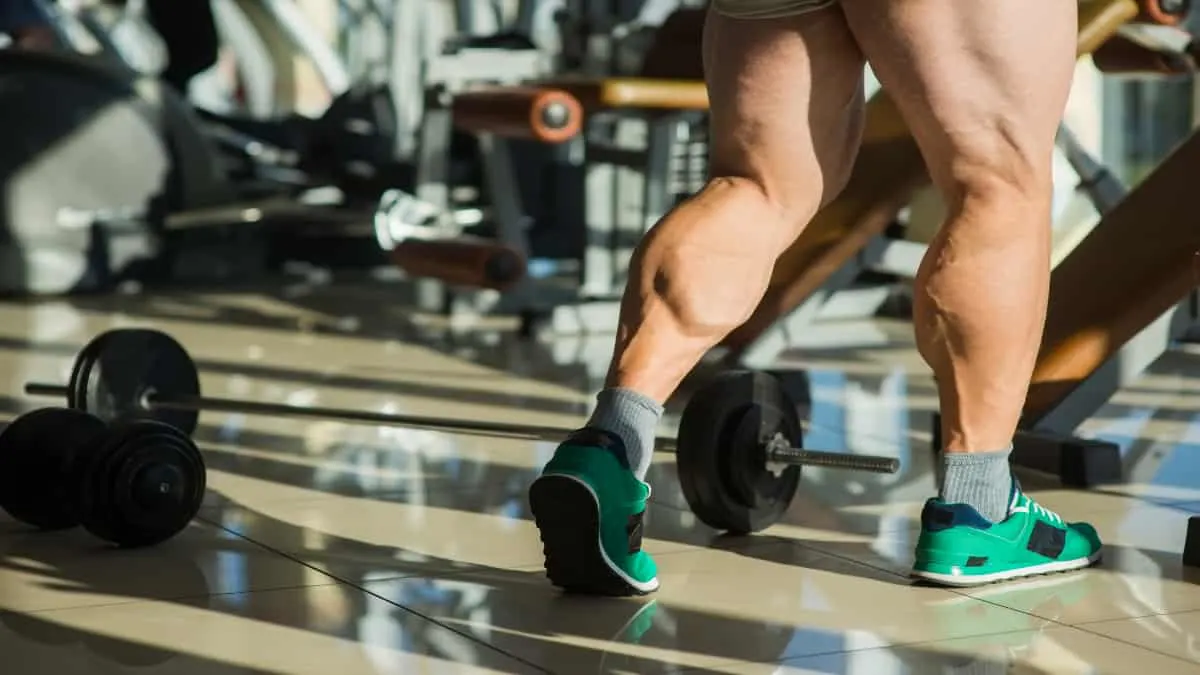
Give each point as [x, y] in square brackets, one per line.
[567, 514]
[1044, 583]
[963, 580]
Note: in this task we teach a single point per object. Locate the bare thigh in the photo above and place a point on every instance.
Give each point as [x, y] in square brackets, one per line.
[982, 84]
[786, 104]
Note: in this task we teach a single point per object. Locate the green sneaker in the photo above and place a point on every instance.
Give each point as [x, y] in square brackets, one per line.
[588, 507]
[959, 547]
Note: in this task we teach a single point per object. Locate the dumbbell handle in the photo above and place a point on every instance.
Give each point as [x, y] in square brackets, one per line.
[777, 453]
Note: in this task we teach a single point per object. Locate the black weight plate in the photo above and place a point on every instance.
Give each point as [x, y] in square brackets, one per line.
[117, 369]
[36, 452]
[142, 485]
[720, 461]
[76, 384]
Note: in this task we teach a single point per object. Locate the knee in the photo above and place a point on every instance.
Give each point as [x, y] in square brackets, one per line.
[745, 193]
[995, 171]
[761, 204]
[794, 195]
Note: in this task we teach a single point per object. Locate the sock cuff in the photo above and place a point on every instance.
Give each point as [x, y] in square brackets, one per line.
[632, 417]
[975, 458]
[614, 395]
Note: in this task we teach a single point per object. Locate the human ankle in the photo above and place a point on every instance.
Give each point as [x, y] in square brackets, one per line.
[633, 418]
[982, 480]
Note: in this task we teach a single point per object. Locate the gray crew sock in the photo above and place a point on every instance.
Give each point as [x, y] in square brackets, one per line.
[633, 418]
[981, 479]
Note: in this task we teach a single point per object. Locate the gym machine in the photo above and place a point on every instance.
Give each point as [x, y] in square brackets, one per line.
[348, 145]
[74, 222]
[79, 225]
[459, 97]
[118, 458]
[642, 149]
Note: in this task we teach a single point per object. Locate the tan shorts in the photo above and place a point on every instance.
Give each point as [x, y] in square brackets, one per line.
[768, 9]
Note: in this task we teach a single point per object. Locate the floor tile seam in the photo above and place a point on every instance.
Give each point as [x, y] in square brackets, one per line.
[1135, 617]
[174, 598]
[1083, 628]
[383, 496]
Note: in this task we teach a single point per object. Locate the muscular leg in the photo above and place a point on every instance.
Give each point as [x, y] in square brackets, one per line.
[982, 86]
[786, 115]
[786, 106]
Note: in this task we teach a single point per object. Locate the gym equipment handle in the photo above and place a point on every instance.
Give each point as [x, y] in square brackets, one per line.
[466, 261]
[534, 113]
[152, 400]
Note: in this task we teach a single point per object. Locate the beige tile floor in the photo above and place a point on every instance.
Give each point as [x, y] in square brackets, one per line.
[335, 549]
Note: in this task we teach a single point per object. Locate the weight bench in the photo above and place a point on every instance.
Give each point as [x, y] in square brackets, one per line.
[849, 236]
[1117, 303]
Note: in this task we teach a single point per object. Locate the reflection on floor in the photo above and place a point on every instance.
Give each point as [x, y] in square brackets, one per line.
[327, 548]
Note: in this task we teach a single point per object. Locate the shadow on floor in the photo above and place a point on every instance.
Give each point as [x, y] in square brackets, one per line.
[31, 635]
[516, 612]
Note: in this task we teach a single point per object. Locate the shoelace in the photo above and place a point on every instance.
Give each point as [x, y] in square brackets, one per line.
[1044, 512]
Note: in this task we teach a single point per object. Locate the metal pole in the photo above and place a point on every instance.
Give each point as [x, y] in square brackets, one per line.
[777, 454]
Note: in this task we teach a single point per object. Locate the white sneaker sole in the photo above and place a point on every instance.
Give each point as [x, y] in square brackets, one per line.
[965, 580]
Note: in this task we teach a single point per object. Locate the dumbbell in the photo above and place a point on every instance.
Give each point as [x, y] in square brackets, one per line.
[134, 482]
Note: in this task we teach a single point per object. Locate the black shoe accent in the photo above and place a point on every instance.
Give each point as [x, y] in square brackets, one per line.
[568, 520]
[1047, 540]
[633, 529]
[937, 516]
[599, 438]
[977, 561]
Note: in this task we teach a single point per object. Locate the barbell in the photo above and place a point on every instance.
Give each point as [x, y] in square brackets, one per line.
[738, 452]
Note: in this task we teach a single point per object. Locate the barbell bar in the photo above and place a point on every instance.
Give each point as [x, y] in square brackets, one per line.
[148, 374]
[778, 450]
